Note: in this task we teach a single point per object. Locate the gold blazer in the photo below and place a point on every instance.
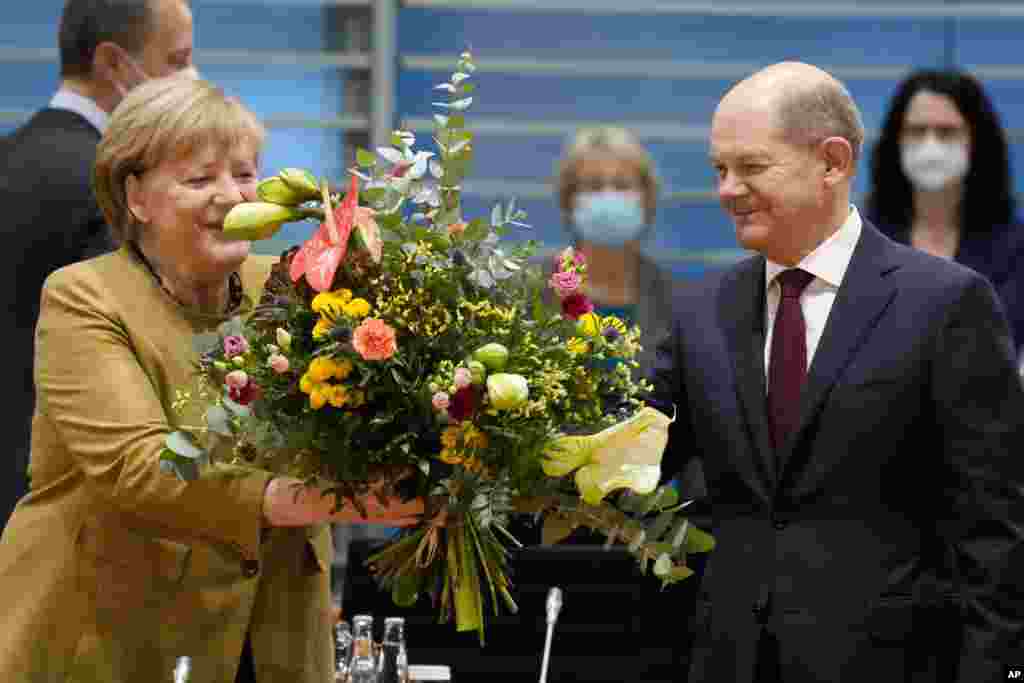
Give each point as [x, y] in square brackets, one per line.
[110, 568]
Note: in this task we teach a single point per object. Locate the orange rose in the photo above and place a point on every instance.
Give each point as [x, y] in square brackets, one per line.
[374, 339]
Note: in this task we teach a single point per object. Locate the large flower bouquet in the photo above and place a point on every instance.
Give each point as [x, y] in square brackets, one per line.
[401, 338]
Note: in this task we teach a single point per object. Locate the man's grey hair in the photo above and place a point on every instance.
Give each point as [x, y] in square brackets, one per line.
[809, 115]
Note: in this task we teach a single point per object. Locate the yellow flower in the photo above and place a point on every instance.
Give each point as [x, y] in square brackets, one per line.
[474, 438]
[577, 346]
[321, 369]
[613, 322]
[450, 437]
[334, 301]
[338, 395]
[589, 324]
[625, 455]
[306, 384]
[356, 398]
[357, 308]
[450, 456]
[322, 328]
[473, 464]
[318, 396]
[342, 369]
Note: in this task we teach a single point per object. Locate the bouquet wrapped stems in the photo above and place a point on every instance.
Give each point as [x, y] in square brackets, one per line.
[451, 560]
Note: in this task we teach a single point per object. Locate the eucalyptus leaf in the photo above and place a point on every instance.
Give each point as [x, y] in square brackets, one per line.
[406, 590]
[441, 120]
[231, 326]
[182, 467]
[219, 421]
[447, 87]
[461, 105]
[236, 408]
[476, 230]
[497, 218]
[205, 342]
[391, 154]
[699, 541]
[482, 278]
[458, 77]
[182, 443]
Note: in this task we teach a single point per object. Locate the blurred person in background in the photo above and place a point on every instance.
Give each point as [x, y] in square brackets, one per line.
[107, 47]
[112, 567]
[607, 190]
[941, 182]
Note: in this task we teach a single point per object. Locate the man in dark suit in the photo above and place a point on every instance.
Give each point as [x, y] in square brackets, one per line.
[860, 421]
[51, 220]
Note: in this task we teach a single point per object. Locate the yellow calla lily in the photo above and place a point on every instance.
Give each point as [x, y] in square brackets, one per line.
[625, 455]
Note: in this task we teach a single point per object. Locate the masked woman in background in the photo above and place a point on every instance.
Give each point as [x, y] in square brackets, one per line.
[941, 182]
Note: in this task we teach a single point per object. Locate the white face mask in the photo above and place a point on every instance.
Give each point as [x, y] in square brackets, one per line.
[932, 165]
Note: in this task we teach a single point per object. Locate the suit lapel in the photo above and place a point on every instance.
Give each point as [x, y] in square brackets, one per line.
[741, 308]
[862, 298]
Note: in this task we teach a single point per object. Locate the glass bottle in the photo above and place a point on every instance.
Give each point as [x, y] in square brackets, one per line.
[363, 665]
[342, 650]
[182, 670]
[394, 660]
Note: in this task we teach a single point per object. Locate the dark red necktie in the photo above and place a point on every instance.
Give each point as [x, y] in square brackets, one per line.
[787, 366]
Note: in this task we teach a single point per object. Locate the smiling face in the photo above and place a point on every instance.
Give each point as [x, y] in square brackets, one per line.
[182, 203]
[775, 191]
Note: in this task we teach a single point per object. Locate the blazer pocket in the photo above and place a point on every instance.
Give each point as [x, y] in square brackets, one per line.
[126, 569]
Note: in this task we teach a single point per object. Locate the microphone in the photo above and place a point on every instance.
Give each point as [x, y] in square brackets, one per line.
[554, 607]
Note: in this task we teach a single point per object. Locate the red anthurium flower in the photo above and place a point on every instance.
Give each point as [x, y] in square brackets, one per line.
[320, 256]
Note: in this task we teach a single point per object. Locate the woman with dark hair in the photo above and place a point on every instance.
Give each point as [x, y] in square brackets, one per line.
[941, 182]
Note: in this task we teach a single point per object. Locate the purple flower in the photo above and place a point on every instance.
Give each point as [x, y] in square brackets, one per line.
[610, 334]
[235, 345]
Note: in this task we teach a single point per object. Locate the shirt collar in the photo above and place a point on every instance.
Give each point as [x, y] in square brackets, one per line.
[85, 107]
[830, 259]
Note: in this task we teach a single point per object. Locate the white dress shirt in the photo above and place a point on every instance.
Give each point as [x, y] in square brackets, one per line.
[72, 101]
[828, 264]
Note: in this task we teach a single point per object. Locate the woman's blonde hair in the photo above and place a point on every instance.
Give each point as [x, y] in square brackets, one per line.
[605, 142]
[161, 120]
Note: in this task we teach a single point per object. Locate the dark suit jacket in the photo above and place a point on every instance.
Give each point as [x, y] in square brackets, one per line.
[50, 219]
[998, 254]
[881, 534]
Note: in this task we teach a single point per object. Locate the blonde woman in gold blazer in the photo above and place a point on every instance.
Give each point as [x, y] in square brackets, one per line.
[110, 568]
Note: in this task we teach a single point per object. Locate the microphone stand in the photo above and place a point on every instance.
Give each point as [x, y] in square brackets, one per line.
[554, 606]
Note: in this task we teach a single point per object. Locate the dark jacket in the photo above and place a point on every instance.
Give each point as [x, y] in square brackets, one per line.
[998, 254]
[50, 220]
[879, 543]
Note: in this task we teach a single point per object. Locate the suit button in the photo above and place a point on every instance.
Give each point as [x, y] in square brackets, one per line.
[251, 568]
[779, 524]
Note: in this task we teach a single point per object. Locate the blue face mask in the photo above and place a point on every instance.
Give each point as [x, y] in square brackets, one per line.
[609, 218]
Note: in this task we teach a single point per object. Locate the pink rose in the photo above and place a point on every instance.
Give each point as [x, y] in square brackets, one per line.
[246, 395]
[565, 283]
[575, 305]
[374, 339]
[235, 345]
[278, 363]
[236, 379]
[440, 401]
[463, 377]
